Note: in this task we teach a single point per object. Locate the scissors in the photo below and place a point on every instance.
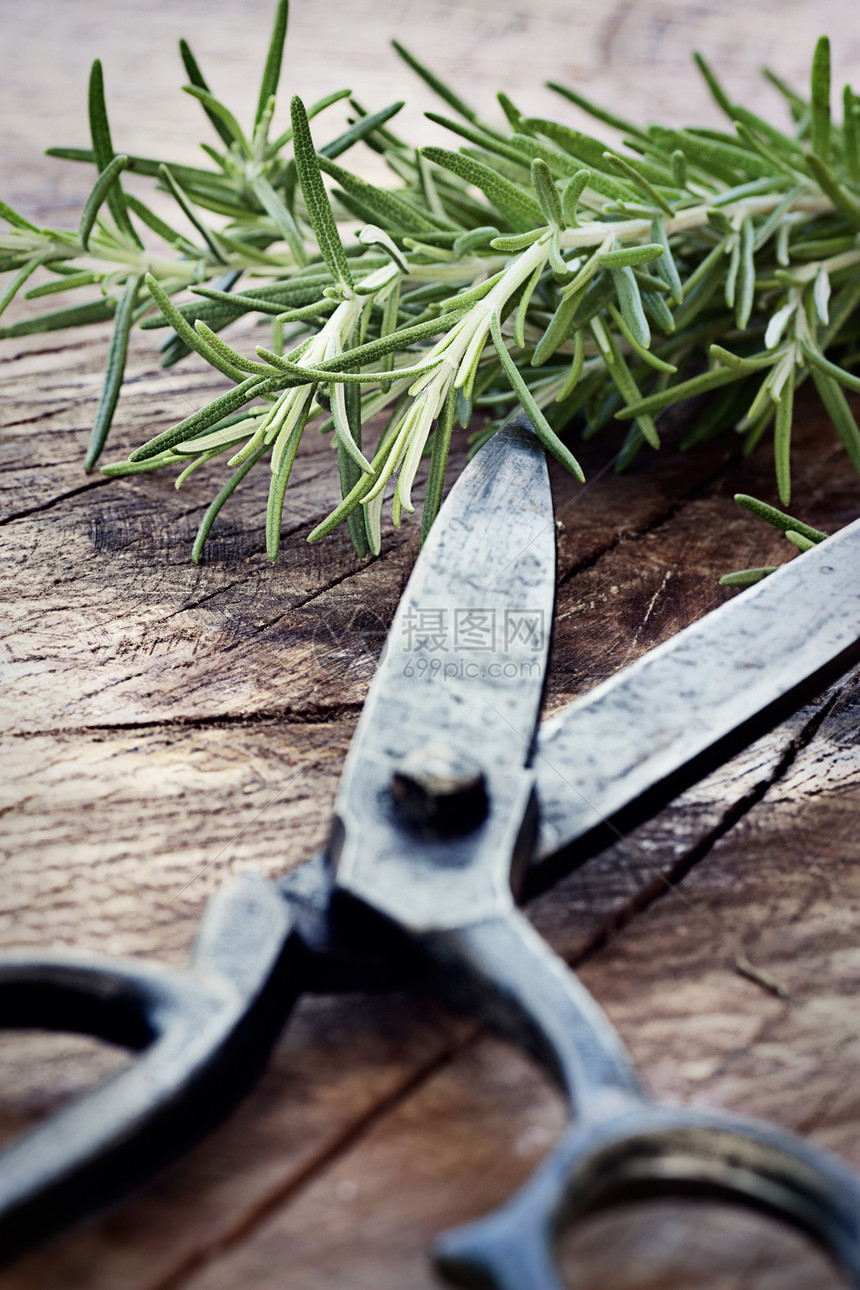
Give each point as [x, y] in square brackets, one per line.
[454, 804]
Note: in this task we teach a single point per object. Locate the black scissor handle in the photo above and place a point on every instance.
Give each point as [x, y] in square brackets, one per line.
[647, 1153]
[619, 1145]
[204, 1032]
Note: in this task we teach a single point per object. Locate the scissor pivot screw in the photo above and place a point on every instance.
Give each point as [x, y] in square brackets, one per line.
[440, 787]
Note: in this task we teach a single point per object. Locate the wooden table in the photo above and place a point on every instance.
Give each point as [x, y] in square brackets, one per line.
[169, 725]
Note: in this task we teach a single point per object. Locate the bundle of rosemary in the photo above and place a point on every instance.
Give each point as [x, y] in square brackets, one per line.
[533, 265]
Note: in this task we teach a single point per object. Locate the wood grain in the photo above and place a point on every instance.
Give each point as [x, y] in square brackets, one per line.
[167, 725]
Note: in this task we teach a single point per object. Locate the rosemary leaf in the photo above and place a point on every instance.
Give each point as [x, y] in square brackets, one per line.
[542, 428]
[439, 87]
[685, 390]
[820, 100]
[843, 200]
[350, 471]
[274, 56]
[840, 414]
[73, 316]
[817, 359]
[777, 518]
[214, 107]
[851, 135]
[385, 208]
[69, 282]
[196, 78]
[203, 419]
[278, 489]
[106, 180]
[362, 128]
[782, 439]
[747, 577]
[599, 113]
[17, 221]
[479, 137]
[114, 371]
[632, 312]
[14, 286]
[218, 501]
[438, 462]
[637, 346]
[103, 151]
[316, 198]
[746, 293]
[185, 205]
[187, 333]
[500, 190]
[160, 226]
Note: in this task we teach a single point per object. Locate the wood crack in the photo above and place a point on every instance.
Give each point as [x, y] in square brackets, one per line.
[652, 526]
[351, 1137]
[54, 501]
[665, 883]
[346, 1140]
[301, 604]
[310, 716]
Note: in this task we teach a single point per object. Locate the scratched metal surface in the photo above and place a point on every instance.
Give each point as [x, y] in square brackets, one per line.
[486, 594]
[170, 725]
[626, 737]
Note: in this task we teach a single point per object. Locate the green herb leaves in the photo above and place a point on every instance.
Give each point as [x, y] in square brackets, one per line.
[801, 536]
[316, 201]
[528, 264]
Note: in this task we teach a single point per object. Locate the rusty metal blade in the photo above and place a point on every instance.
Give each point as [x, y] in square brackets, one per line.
[463, 669]
[638, 738]
[466, 655]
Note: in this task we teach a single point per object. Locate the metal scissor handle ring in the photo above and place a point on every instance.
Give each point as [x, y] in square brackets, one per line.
[203, 1032]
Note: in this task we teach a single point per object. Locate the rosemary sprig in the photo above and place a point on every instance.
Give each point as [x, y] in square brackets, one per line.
[532, 265]
[801, 536]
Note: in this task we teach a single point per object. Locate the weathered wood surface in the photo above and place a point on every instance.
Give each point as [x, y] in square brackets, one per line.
[167, 726]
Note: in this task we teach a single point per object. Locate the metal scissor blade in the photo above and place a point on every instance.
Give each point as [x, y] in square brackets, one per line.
[466, 654]
[660, 724]
[464, 664]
